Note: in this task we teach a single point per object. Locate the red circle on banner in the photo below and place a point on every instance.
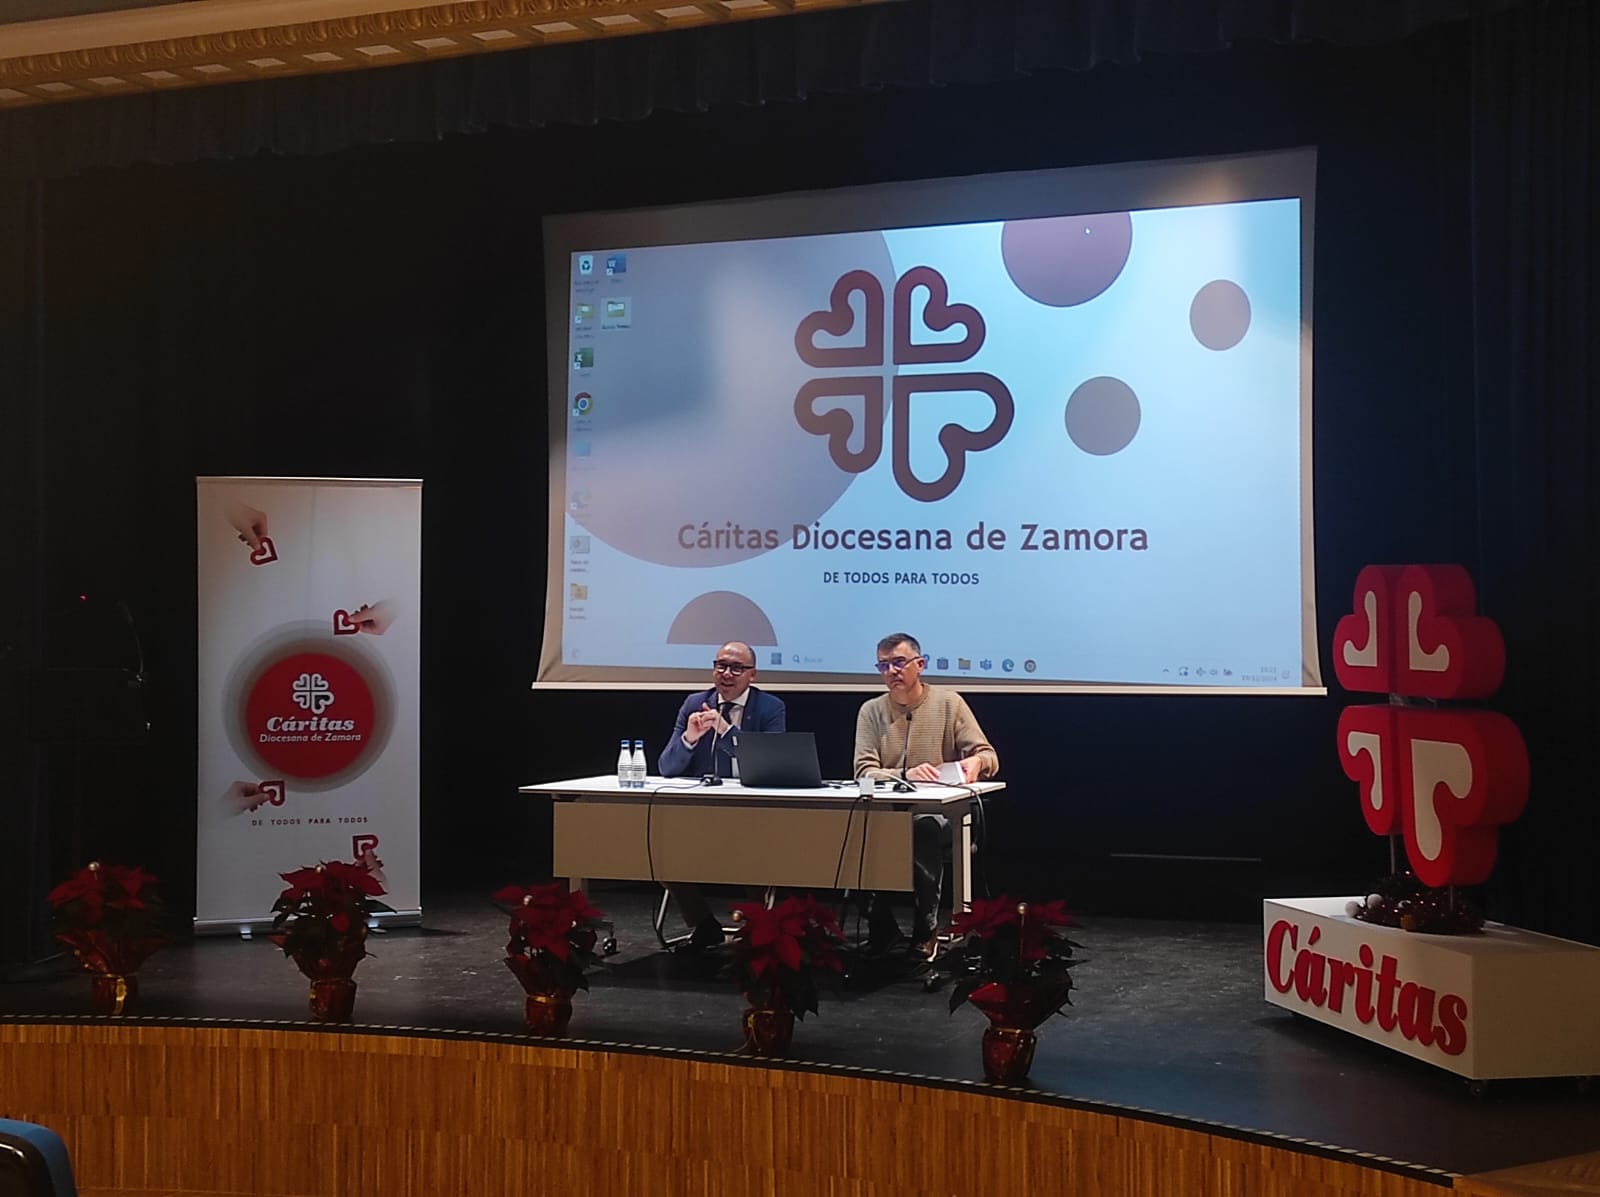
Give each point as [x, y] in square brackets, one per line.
[309, 715]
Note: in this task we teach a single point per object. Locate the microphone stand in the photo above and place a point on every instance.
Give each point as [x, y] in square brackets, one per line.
[902, 786]
[713, 778]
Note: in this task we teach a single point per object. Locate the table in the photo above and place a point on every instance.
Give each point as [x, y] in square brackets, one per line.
[677, 829]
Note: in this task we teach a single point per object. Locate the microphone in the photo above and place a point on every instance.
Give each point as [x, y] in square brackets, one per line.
[903, 786]
[712, 778]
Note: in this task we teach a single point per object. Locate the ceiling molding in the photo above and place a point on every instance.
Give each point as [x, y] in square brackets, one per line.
[208, 42]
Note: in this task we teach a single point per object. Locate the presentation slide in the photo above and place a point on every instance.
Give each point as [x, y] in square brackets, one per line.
[1060, 434]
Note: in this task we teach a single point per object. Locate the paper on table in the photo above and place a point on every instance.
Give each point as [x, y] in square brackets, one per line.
[950, 774]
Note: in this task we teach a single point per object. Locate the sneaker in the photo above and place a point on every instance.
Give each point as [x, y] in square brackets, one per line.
[708, 933]
[882, 930]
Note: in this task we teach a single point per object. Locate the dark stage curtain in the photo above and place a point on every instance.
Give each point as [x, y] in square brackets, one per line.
[24, 846]
[915, 43]
[1536, 389]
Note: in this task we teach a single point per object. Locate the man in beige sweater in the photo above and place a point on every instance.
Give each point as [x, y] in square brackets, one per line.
[907, 734]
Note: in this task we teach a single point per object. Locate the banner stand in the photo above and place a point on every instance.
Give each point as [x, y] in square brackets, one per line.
[309, 690]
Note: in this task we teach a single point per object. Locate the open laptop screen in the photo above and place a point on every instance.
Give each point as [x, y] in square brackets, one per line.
[779, 760]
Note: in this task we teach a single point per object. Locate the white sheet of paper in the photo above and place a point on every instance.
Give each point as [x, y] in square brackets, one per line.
[950, 774]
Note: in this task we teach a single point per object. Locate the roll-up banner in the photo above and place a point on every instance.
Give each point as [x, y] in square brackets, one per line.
[309, 628]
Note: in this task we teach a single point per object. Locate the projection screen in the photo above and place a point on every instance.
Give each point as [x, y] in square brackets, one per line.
[1055, 424]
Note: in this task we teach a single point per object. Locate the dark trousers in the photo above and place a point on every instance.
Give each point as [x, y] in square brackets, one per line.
[930, 835]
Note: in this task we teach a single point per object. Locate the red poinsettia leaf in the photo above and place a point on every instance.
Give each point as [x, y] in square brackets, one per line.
[339, 921]
[80, 884]
[787, 948]
[1051, 914]
[582, 912]
[827, 920]
[746, 911]
[508, 893]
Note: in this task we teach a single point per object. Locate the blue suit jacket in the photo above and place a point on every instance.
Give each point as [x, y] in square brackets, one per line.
[763, 712]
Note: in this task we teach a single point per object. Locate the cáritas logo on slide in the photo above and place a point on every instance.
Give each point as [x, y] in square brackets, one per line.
[869, 357]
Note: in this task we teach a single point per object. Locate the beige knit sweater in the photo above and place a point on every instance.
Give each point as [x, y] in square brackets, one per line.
[943, 728]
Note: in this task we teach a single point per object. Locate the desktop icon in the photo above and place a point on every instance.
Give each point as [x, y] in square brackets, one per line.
[578, 544]
[1008, 664]
[582, 404]
[617, 313]
[583, 315]
[616, 264]
[585, 263]
[942, 663]
[986, 663]
[583, 359]
[582, 449]
[579, 500]
[578, 592]
[1029, 665]
[777, 658]
[963, 662]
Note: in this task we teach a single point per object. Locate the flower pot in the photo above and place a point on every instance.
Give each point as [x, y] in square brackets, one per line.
[1008, 1054]
[768, 1031]
[333, 999]
[548, 1011]
[113, 993]
[1013, 1012]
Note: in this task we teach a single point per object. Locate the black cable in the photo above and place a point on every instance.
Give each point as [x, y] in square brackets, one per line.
[649, 819]
[844, 843]
[861, 864]
[983, 836]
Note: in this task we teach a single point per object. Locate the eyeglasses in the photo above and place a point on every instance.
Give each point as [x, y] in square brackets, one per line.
[731, 668]
[896, 663]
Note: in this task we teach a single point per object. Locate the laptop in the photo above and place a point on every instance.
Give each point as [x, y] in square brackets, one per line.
[779, 761]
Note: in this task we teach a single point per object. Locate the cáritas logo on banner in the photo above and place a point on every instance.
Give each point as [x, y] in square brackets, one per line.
[308, 708]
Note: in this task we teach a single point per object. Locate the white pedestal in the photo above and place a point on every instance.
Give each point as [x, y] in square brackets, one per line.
[1507, 1003]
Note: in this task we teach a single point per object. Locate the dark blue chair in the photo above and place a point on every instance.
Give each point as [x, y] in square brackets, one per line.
[33, 1162]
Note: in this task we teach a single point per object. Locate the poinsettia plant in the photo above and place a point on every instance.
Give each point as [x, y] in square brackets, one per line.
[109, 915]
[780, 953]
[553, 933]
[1013, 960]
[320, 919]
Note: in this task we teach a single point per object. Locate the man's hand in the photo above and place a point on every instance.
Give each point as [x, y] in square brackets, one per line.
[971, 768]
[923, 772]
[700, 722]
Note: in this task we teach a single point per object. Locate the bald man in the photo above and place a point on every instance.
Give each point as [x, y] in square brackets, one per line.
[704, 742]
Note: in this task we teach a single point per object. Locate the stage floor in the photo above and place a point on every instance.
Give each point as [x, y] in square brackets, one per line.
[1168, 1022]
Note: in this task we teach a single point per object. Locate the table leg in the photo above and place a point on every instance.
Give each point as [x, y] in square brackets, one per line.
[961, 862]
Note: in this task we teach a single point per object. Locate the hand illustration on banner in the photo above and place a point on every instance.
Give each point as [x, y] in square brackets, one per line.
[375, 619]
[251, 525]
[242, 797]
[365, 849]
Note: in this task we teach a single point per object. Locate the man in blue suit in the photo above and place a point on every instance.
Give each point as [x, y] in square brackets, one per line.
[704, 742]
[705, 738]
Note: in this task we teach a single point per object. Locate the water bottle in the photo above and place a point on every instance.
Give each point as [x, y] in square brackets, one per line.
[625, 767]
[639, 770]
